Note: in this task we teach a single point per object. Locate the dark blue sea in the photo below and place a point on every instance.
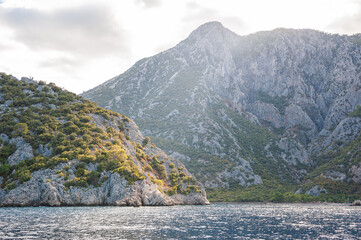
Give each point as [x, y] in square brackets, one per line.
[217, 221]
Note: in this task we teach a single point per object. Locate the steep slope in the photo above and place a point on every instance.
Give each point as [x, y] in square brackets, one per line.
[57, 148]
[248, 109]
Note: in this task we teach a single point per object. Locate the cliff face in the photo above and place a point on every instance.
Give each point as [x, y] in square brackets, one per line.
[58, 149]
[270, 103]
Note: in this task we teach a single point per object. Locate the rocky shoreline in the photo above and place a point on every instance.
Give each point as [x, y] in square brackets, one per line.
[46, 189]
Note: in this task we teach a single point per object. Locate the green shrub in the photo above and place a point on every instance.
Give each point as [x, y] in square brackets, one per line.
[148, 168]
[52, 162]
[88, 158]
[11, 186]
[145, 141]
[45, 137]
[93, 178]
[76, 182]
[356, 112]
[5, 170]
[21, 129]
[23, 175]
[160, 183]
[174, 177]
[6, 151]
[80, 165]
[171, 191]
[159, 167]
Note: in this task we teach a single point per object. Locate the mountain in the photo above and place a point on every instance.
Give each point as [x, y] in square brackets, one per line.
[59, 149]
[267, 109]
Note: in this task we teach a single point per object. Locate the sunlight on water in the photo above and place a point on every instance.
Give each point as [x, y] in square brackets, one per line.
[222, 221]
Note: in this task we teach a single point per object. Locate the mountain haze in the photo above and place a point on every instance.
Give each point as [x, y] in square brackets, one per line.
[274, 107]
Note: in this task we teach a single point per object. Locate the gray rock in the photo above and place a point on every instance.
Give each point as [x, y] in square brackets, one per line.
[45, 150]
[295, 116]
[296, 152]
[335, 175]
[347, 130]
[267, 112]
[46, 188]
[4, 137]
[316, 191]
[28, 80]
[299, 191]
[23, 152]
[355, 172]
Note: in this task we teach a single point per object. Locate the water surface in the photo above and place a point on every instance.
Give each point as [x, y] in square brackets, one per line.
[217, 221]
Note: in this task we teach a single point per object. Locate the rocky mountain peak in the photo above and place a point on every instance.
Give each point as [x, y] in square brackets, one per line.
[209, 27]
[239, 109]
[213, 32]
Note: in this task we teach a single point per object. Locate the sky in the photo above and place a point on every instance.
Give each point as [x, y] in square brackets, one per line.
[79, 44]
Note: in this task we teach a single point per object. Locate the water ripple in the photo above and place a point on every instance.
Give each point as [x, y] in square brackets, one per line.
[217, 221]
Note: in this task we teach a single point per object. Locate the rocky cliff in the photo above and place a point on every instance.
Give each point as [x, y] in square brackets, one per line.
[239, 110]
[58, 149]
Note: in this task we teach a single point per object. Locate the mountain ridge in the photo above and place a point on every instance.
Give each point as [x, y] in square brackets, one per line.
[272, 99]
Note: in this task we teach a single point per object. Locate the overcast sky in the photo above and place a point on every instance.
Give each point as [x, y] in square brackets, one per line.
[79, 44]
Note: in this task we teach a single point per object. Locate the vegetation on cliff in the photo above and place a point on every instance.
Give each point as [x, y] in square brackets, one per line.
[62, 127]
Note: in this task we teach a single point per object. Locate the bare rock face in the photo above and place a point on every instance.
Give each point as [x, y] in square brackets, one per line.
[45, 150]
[335, 175]
[295, 116]
[23, 152]
[316, 191]
[355, 172]
[4, 137]
[346, 131]
[267, 112]
[47, 189]
[297, 153]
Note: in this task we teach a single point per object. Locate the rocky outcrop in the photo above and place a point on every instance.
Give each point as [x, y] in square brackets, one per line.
[296, 152]
[346, 131]
[267, 112]
[23, 152]
[355, 172]
[46, 188]
[45, 150]
[335, 175]
[316, 191]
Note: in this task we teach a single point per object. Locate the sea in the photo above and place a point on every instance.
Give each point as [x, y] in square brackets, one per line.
[216, 221]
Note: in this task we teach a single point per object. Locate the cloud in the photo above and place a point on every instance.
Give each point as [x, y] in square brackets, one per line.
[4, 47]
[83, 31]
[149, 3]
[347, 24]
[198, 14]
[63, 64]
